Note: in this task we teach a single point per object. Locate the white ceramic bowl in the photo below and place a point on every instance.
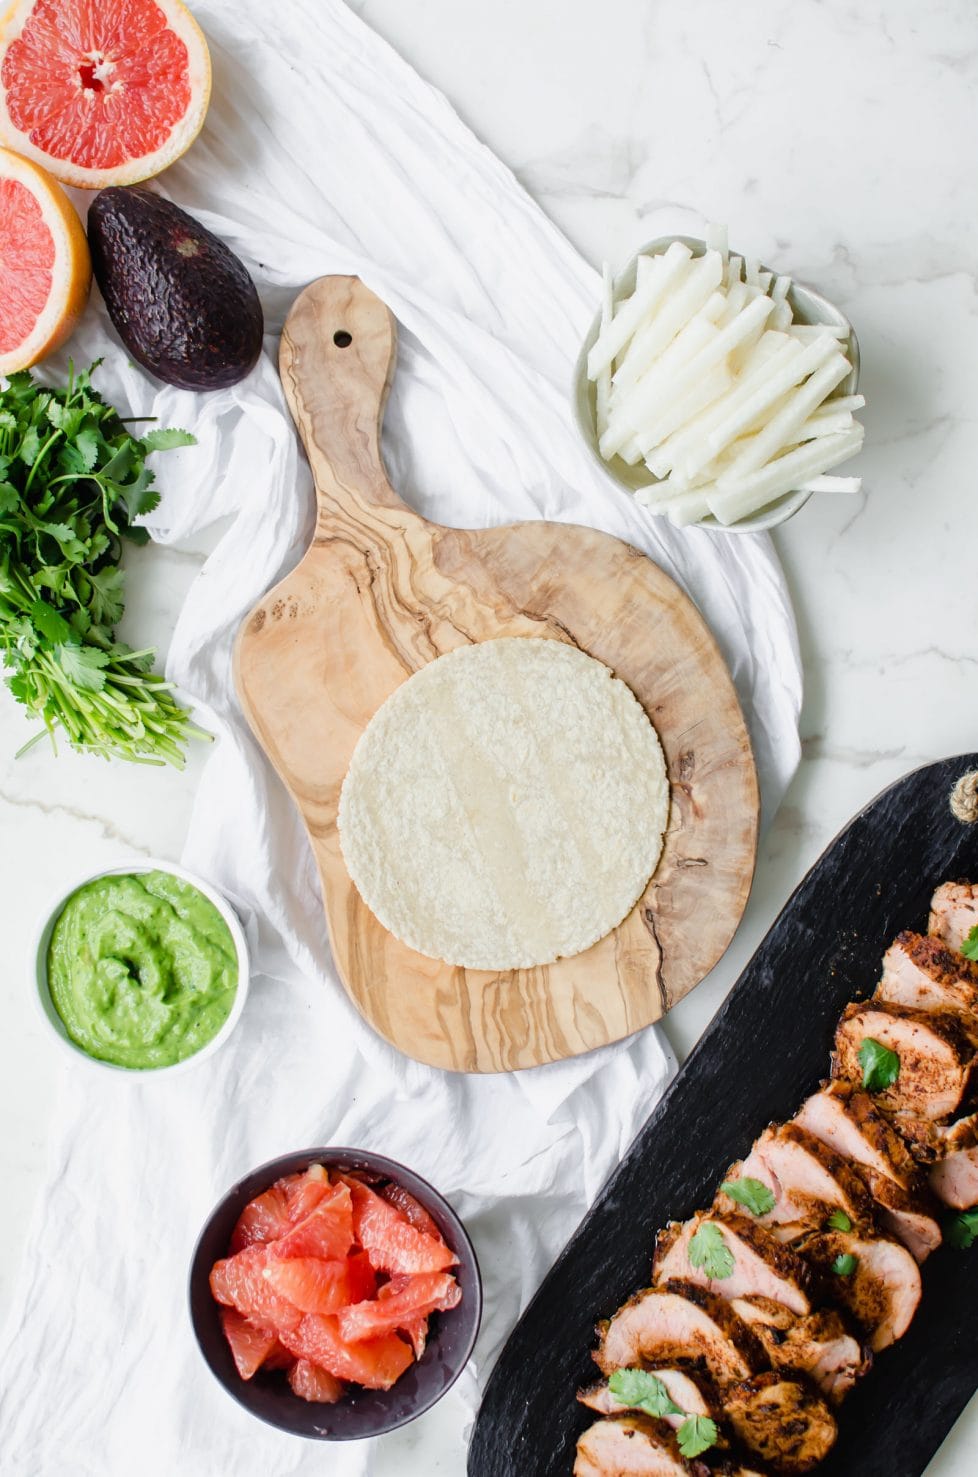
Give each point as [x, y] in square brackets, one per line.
[129, 867]
[807, 306]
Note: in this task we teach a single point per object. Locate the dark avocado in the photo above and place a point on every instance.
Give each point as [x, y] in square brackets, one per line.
[181, 301]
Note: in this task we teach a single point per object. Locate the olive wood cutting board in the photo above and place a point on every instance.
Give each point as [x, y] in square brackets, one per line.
[381, 592]
[766, 1049]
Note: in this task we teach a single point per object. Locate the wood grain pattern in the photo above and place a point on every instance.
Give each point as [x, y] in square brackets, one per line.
[766, 1049]
[380, 593]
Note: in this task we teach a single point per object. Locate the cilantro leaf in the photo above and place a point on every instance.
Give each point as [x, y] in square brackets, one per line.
[844, 1265]
[970, 946]
[839, 1221]
[106, 601]
[961, 1231]
[83, 665]
[50, 624]
[696, 1435]
[710, 1253]
[162, 440]
[752, 1194]
[9, 498]
[139, 496]
[881, 1066]
[640, 1390]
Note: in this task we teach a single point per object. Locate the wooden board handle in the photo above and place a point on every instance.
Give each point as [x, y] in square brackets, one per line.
[336, 360]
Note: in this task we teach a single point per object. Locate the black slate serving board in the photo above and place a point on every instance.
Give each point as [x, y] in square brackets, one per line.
[765, 1050]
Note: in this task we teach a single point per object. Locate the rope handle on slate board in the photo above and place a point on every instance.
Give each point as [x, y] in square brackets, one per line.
[964, 798]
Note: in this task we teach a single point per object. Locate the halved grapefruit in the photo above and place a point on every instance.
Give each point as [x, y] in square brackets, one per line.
[45, 268]
[102, 92]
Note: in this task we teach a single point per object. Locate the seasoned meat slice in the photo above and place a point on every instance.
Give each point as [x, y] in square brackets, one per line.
[679, 1324]
[762, 1266]
[694, 1396]
[821, 1346]
[954, 1179]
[908, 1216]
[629, 1446]
[938, 1052]
[782, 1420]
[807, 1179]
[928, 1141]
[846, 1119]
[924, 973]
[881, 1291]
[953, 912]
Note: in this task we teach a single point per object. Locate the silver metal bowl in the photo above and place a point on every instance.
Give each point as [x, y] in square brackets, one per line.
[807, 306]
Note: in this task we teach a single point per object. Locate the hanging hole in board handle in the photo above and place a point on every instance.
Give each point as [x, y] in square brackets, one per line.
[342, 339]
[964, 798]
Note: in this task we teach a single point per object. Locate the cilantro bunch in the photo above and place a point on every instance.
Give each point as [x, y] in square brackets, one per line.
[72, 480]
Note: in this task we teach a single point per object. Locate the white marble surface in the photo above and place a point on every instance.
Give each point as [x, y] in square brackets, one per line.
[838, 142]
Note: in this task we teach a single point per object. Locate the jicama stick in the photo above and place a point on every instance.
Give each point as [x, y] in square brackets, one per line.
[782, 429]
[738, 497]
[602, 388]
[649, 348]
[847, 485]
[632, 313]
[697, 288]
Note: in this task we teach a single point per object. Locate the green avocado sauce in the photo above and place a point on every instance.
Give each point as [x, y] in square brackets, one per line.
[142, 969]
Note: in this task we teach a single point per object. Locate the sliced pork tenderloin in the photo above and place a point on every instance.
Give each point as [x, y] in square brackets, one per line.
[762, 1265]
[693, 1395]
[938, 1051]
[908, 1216]
[924, 973]
[847, 1121]
[954, 1179]
[680, 1323]
[782, 1421]
[808, 1180]
[846, 1118]
[954, 912]
[821, 1346]
[630, 1446]
[929, 1141]
[876, 1280]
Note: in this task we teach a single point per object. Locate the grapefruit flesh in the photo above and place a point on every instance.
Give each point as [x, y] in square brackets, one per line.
[394, 1245]
[401, 1303]
[240, 1282]
[262, 1220]
[250, 1345]
[411, 1209]
[317, 1286]
[375, 1365]
[45, 268]
[102, 91]
[327, 1231]
[310, 1382]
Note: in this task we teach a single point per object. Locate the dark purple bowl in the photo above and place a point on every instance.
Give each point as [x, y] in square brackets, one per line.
[361, 1412]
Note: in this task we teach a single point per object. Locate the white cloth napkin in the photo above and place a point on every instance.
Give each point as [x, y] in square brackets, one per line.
[324, 153]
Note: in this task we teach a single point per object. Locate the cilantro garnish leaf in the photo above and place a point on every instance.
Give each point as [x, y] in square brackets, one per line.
[640, 1390]
[970, 946]
[710, 1253]
[696, 1435]
[752, 1194]
[839, 1221]
[72, 480]
[961, 1230]
[844, 1265]
[881, 1066]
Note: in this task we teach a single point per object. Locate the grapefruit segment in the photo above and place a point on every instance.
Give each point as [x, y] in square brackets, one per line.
[393, 1243]
[262, 1219]
[310, 1382]
[400, 1303]
[317, 1286]
[411, 1209]
[102, 92]
[375, 1365]
[240, 1282]
[250, 1345]
[327, 1230]
[45, 268]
